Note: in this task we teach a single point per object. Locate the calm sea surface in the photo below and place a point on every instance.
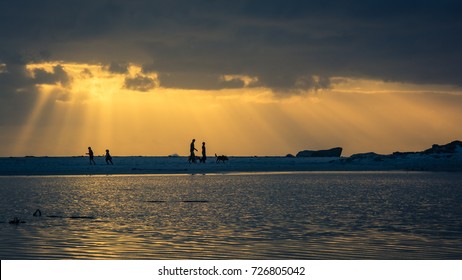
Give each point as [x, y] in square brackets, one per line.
[321, 215]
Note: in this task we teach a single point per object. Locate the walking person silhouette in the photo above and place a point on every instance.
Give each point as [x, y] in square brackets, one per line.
[90, 154]
[192, 156]
[204, 154]
[108, 158]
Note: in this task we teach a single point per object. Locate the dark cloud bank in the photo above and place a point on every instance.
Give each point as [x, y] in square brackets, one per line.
[191, 44]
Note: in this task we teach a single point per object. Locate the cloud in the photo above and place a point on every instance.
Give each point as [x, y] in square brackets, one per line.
[205, 81]
[58, 75]
[20, 85]
[86, 73]
[312, 82]
[118, 67]
[140, 83]
[191, 44]
[245, 81]
[17, 94]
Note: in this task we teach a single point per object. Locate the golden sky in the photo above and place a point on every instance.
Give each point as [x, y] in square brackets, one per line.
[132, 114]
[247, 77]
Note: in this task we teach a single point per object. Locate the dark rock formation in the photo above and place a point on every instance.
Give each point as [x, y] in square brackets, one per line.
[444, 149]
[364, 156]
[434, 151]
[290, 155]
[334, 152]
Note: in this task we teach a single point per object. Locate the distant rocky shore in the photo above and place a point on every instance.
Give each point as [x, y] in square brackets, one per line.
[446, 157]
[449, 150]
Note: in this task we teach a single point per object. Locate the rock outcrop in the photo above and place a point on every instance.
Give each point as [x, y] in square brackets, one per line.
[435, 151]
[334, 152]
[444, 149]
[370, 155]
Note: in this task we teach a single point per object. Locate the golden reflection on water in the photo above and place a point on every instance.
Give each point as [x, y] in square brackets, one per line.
[276, 216]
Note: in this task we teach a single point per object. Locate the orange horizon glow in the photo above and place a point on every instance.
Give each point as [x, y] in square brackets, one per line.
[96, 109]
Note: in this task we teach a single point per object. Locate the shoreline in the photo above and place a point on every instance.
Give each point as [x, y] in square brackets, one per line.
[164, 165]
[261, 173]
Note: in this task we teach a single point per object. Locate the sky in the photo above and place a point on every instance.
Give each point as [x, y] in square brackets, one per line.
[247, 77]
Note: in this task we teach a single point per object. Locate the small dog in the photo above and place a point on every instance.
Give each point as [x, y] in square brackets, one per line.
[221, 158]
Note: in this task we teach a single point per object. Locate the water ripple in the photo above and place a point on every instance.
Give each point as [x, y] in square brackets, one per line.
[276, 216]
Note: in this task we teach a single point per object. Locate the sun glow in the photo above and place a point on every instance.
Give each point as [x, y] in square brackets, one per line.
[130, 113]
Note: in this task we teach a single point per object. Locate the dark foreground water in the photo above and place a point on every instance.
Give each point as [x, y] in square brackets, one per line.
[324, 215]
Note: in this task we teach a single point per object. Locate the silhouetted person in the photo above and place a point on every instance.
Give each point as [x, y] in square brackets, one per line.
[90, 154]
[204, 154]
[192, 156]
[108, 158]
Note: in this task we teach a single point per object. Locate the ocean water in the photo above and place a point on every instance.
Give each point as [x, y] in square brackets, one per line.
[304, 215]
